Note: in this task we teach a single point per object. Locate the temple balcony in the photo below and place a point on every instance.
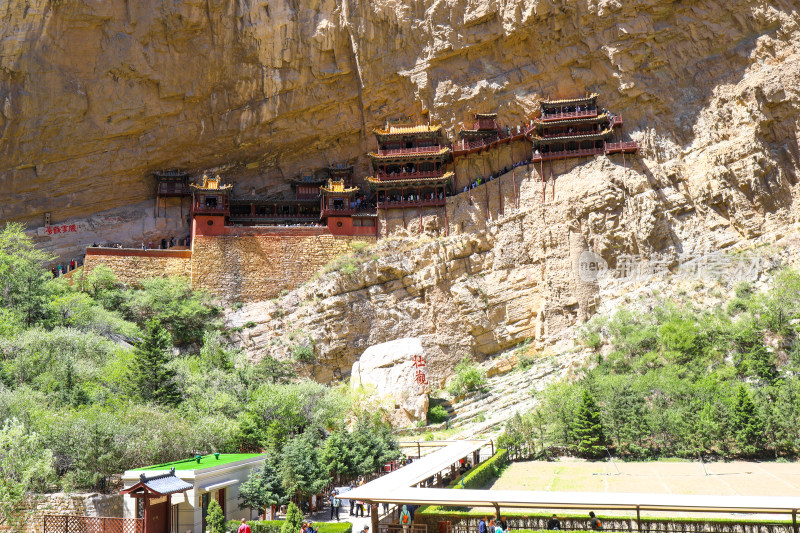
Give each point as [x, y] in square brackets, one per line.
[630, 147]
[414, 150]
[586, 113]
[384, 176]
[391, 204]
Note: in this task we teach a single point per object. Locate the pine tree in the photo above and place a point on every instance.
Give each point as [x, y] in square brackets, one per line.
[215, 518]
[151, 376]
[293, 519]
[748, 426]
[587, 430]
[262, 489]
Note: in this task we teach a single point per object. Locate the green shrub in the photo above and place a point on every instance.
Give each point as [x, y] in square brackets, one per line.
[469, 377]
[274, 526]
[302, 353]
[294, 517]
[215, 518]
[437, 414]
[359, 246]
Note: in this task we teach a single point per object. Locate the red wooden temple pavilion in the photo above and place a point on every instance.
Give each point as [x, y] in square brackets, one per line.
[409, 167]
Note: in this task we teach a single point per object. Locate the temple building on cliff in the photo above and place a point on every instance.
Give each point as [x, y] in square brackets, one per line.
[409, 169]
[171, 184]
[342, 208]
[301, 208]
[576, 127]
[211, 206]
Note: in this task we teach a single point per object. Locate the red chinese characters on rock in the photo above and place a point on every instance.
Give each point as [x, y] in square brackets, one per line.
[64, 228]
[419, 364]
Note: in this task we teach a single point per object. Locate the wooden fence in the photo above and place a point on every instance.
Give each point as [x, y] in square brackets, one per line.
[91, 524]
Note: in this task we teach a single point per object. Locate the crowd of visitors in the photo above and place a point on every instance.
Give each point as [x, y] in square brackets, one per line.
[493, 176]
[63, 268]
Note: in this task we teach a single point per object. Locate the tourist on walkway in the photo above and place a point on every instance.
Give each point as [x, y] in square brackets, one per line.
[365, 530]
[503, 523]
[352, 501]
[595, 523]
[243, 528]
[482, 525]
[554, 524]
[405, 519]
[335, 506]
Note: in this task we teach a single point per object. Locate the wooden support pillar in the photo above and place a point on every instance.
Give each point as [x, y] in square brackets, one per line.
[794, 521]
[500, 193]
[374, 518]
[514, 182]
[446, 224]
[496, 511]
[419, 451]
[403, 204]
[638, 518]
[486, 187]
[492, 444]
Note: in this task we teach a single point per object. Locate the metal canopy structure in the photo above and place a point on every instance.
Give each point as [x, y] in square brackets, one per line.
[398, 488]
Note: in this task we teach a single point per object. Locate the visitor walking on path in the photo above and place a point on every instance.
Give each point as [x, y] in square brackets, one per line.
[482, 525]
[595, 523]
[243, 528]
[335, 506]
[405, 519]
[554, 524]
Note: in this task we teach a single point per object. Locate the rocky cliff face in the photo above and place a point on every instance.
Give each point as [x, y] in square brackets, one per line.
[95, 95]
[498, 281]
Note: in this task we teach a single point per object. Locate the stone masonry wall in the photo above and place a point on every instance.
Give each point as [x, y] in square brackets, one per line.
[259, 267]
[73, 504]
[132, 266]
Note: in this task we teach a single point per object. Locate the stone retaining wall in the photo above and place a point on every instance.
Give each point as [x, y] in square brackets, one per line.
[77, 504]
[131, 266]
[260, 267]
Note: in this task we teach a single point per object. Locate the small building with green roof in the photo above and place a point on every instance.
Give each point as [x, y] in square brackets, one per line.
[174, 497]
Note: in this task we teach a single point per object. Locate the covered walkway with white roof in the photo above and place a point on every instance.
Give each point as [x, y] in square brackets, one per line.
[400, 488]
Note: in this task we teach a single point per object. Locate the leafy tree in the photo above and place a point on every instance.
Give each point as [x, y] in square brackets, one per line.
[760, 364]
[748, 426]
[783, 301]
[590, 440]
[293, 519]
[336, 455]
[184, 312]
[372, 445]
[23, 279]
[301, 470]
[468, 377]
[215, 518]
[271, 370]
[153, 379]
[262, 488]
[25, 467]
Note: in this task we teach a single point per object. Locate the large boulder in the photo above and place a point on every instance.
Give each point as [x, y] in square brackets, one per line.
[396, 374]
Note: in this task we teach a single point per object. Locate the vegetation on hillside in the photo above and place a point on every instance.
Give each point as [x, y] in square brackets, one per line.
[97, 378]
[681, 381]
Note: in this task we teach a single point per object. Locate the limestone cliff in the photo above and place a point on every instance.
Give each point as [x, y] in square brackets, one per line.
[95, 95]
[509, 273]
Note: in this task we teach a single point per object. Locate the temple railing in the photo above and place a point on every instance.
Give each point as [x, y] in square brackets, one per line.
[390, 204]
[616, 120]
[627, 147]
[410, 175]
[415, 150]
[276, 216]
[568, 114]
[570, 134]
[501, 134]
[337, 212]
[564, 154]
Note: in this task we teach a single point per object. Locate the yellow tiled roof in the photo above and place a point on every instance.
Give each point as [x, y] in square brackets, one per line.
[404, 130]
[445, 177]
[567, 100]
[411, 155]
[337, 186]
[212, 184]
